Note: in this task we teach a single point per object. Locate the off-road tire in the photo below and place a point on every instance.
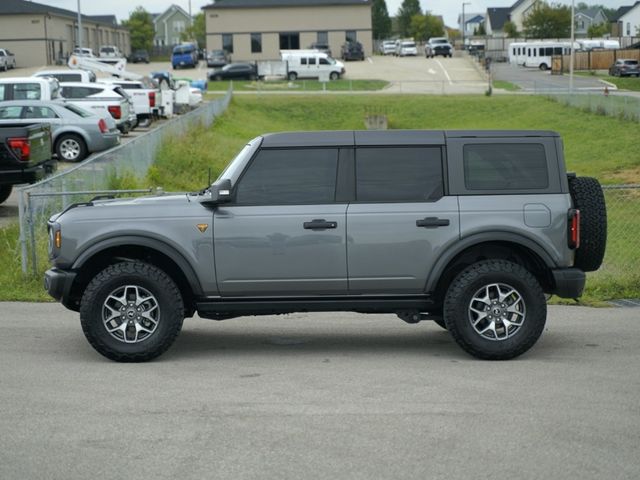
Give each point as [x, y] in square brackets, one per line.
[5, 191]
[588, 197]
[458, 302]
[153, 280]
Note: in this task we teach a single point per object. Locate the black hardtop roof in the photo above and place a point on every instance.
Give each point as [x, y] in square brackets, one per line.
[343, 138]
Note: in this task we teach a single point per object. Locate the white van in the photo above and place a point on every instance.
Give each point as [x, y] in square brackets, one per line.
[311, 64]
[29, 88]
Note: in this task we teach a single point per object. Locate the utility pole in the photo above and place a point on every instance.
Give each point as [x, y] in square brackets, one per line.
[573, 34]
[464, 23]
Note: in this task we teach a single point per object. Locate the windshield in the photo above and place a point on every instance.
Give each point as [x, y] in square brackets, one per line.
[409, 45]
[331, 60]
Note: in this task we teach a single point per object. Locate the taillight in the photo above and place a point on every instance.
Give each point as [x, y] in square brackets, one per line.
[152, 99]
[574, 228]
[115, 111]
[20, 147]
[102, 125]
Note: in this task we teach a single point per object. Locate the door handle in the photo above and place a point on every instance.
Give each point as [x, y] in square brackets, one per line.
[319, 224]
[432, 222]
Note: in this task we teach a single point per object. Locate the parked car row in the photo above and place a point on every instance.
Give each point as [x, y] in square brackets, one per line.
[85, 116]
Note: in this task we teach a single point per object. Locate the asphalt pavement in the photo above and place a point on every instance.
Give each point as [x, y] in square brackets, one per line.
[532, 80]
[340, 396]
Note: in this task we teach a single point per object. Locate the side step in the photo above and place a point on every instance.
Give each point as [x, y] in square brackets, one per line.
[223, 308]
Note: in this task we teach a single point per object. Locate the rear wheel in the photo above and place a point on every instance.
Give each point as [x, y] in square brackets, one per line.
[495, 310]
[588, 197]
[544, 67]
[292, 76]
[70, 148]
[131, 312]
[5, 191]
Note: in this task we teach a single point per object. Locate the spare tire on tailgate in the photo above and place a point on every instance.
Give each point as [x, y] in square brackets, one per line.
[588, 197]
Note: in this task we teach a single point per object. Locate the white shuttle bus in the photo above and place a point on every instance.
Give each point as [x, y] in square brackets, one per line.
[539, 54]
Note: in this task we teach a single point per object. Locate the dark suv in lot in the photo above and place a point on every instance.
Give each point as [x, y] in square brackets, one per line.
[625, 68]
[469, 229]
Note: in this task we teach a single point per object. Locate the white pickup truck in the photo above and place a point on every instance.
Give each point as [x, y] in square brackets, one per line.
[7, 60]
[102, 99]
[144, 98]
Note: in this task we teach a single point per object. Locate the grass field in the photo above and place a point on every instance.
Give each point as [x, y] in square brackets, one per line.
[503, 85]
[595, 145]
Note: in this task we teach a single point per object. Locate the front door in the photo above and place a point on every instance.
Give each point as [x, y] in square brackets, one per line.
[283, 234]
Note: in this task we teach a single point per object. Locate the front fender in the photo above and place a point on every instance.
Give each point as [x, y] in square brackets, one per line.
[145, 242]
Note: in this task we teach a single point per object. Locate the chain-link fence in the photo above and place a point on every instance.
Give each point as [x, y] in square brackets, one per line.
[620, 106]
[104, 174]
[619, 275]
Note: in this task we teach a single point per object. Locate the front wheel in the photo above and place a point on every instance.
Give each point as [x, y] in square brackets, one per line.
[495, 310]
[334, 75]
[131, 312]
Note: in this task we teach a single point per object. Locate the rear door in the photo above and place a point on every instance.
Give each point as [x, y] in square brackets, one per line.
[284, 233]
[401, 219]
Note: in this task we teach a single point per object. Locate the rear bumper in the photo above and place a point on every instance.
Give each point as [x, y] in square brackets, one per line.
[569, 282]
[105, 141]
[28, 175]
[58, 284]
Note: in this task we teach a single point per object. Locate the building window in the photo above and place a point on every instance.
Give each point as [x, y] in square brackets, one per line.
[323, 38]
[178, 26]
[227, 42]
[256, 43]
[628, 28]
[289, 41]
[351, 36]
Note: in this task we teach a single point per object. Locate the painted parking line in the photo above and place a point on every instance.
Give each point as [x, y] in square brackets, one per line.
[446, 74]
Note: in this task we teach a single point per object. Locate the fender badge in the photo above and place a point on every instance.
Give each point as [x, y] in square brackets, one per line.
[202, 227]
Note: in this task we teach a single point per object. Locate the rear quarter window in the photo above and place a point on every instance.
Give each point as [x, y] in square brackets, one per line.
[505, 167]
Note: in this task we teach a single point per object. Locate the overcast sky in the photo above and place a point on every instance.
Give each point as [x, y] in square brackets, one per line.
[447, 8]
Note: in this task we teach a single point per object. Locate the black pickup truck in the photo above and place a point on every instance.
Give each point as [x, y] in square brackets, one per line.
[25, 155]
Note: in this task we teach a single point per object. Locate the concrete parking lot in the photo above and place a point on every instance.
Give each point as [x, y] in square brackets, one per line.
[320, 396]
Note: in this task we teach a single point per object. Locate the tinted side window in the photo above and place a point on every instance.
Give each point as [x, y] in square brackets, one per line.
[505, 167]
[292, 176]
[403, 174]
[10, 113]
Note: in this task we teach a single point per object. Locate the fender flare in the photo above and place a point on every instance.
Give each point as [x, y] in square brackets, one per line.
[485, 237]
[145, 242]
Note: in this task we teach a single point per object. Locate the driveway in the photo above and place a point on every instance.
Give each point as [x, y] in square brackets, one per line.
[341, 396]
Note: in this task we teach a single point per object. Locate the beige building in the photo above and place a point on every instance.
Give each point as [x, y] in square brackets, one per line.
[259, 29]
[40, 34]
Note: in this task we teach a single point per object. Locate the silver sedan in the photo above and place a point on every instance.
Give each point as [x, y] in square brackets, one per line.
[76, 132]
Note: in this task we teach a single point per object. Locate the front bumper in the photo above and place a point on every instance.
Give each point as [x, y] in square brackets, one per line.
[58, 284]
[569, 282]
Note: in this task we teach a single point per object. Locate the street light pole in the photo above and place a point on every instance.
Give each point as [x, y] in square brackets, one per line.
[79, 28]
[464, 23]
[573, 34]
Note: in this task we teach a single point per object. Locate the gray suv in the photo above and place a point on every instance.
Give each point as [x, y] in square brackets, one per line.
[469, 229]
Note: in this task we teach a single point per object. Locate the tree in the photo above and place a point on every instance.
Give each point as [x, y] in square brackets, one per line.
[548, 21]
[599, 30]
[407, 10]
[426, 26]
[480, 30]
[196, 31]
[140, 25]
[511, 29]
[380, 19]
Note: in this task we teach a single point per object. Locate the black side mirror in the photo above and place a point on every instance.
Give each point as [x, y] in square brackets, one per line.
[220, 192]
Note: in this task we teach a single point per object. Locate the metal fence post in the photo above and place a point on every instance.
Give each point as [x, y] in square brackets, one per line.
[22, 238]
